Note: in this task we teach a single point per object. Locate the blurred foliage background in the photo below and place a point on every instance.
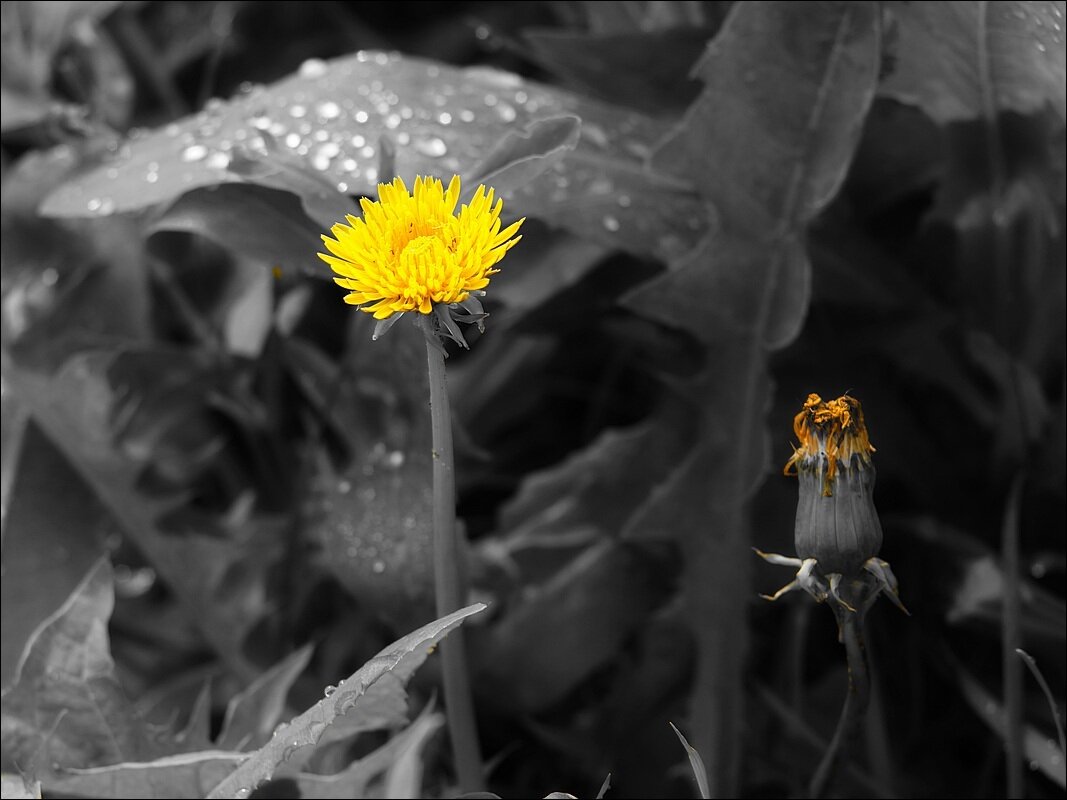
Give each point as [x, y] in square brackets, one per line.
[216, 487]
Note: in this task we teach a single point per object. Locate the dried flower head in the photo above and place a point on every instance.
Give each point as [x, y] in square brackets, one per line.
[838, 533]
[412, 251]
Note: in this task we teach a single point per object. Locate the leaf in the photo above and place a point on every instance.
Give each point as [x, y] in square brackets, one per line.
[400, 660]
[330, 118]
[696, 762]
[355, 779]
[969, 60]
[261, 225]
[1040, 750]
[66, 706]
[252, 714]
[609, 587]
[646, 69]
[219, 580]
[523, 155]
[277, 168]
[598, 487]
[16, 787]
[768, 142]
[48, 546]
[404, 777]
[185, 775]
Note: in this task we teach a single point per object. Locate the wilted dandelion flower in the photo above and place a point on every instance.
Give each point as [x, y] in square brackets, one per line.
[838, 534]
[412, 251]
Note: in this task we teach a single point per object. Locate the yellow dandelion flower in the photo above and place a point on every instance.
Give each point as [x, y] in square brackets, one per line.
[412, 251]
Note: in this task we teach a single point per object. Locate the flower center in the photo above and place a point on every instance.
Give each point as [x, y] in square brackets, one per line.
[425, 268]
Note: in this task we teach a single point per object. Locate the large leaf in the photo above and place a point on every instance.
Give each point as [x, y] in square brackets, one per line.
[332, 118]
[218, 579]
[252, 714]
[397, 662]
[787, 89]
[48, 546]
[968, 60]
[66, 706]
[587, 610]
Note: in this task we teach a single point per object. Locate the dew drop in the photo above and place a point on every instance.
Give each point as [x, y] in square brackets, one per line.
[328, 110]
[329, 690]
[367, 152]
[434, 147]
[403, 138]
[444, 118]
[342, 187]
[194, 152]
[624, 201]
[297, 111]
[378, 567]
[292, 141]
[466, 115]
[611, 224]
[218, 160]
[344, 487]
[350, 165]
[101, 206]
[361, 116]
[314, 68]
[506, 112]
[243, 792]
[392, 121]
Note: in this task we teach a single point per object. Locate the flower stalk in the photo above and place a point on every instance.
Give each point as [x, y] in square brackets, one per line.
[837, 537]
[448, 585]
[413, 252]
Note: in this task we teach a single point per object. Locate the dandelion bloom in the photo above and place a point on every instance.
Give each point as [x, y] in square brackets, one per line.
[412, 251]
[837, 534]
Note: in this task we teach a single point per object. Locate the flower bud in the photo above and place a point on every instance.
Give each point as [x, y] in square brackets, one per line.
[838, 534]
[837, 523]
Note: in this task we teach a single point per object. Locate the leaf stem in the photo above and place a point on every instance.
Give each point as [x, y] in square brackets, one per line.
[856, 701]
[448, 589]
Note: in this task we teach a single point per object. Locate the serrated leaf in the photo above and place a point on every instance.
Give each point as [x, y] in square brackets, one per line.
[355, 780]
[648, 70]
[968, 60]
[609, 587]
[48, 546]
[404, 777]
[185, 775]
[331, 117]
[398, 661]
[65, 705]
[768, 142]
[523, 155]
[252, 713]
[77, 408]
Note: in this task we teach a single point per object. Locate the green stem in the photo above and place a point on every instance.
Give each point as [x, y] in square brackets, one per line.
[856, 701]
[449, 591]
[1011, 641]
